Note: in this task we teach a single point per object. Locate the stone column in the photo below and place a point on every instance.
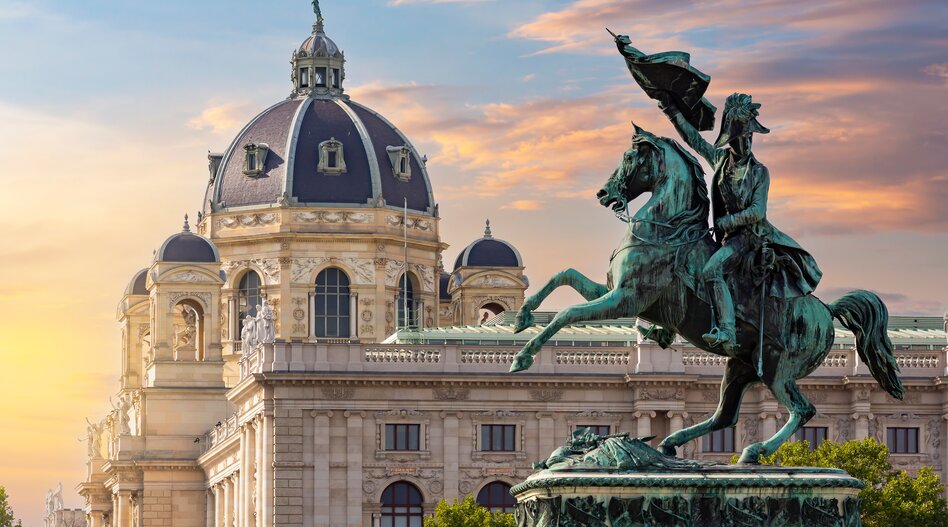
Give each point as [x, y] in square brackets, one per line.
[312, 314]
[676, 421]
[353, 316]
[241, 500]
[209, 509]
[233, 333]
[768, 425]
[228, 516]
[123, 513]
[251, 476]
[267, 480]
[321, 424]
[258, 463]
[546, 434]
[236, 497]
[218, 506]
[451, 448]
[643, 423]
[354, 435]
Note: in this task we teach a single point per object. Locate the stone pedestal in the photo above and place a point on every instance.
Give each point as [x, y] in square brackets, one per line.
[719, 495]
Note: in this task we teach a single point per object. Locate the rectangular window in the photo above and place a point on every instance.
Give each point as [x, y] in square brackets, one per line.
[331, 159]
[812, 434]
[599, 430]
[402, 437]
[321, 77]
[902, 440]
[719, 441]
[335, 77]
[498, 438]
[402, 165]
[251, 160]
[304, 77]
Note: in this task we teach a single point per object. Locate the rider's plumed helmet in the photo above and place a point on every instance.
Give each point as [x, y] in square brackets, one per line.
[740, 119]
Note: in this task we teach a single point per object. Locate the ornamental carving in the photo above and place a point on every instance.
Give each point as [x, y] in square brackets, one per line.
[338, 393]
[269, 266]
[189, 276]
[426, 273]
[413, 223]
[367, 315]
[499, 414]
[654, 394]
[393, 270]
[399, 413]
[934, 438]
[816, 396]
[751, 431]
[302, 269]
[844, 429]
[174, 298]
[366, 330]
[334, 217]
[546, 395]
[450, 393]
[247, 220]
[491, 280]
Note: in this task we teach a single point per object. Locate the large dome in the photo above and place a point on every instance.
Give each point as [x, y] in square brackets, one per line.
[294, 132]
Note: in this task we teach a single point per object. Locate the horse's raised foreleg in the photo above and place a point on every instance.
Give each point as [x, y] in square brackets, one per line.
[571, 277]
[801, 410]
[613, 304]
[738, 376]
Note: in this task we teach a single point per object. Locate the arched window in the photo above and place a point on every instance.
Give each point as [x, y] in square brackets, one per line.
[248, 298]
[489, 311]
[401, 505]
[406, 298]
[332, 304]
[496, 497]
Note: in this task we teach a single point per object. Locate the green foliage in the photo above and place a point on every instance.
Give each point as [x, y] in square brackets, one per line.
[890, 497]
[6, 511]
[467, 513]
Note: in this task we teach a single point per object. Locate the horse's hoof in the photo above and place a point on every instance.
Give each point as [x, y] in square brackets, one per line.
[668, 450]
[520, 363]
[749, 457]
[523, 320]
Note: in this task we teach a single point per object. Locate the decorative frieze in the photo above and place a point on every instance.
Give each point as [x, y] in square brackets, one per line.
[362, 270]
[247, 220]
[270, 267]
[334, 217]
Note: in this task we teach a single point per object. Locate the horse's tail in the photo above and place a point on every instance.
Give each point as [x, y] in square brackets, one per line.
[863, 313]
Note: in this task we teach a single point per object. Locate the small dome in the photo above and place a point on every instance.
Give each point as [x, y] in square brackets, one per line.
[137, 285]
[489, 252]
[319, 45]
[186, 246]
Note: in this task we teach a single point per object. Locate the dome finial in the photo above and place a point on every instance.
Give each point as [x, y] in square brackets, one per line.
[318, 27]
[487, 233]
[186, 227]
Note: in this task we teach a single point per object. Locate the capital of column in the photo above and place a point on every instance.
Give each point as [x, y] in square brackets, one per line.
[354, 413]
[645, 413]
[676, 413]
[318, 413]
[451, 413]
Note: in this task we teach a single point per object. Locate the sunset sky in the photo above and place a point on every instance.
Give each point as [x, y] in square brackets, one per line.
[108, 109]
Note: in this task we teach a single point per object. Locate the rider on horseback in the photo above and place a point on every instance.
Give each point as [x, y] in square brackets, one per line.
[739, 205]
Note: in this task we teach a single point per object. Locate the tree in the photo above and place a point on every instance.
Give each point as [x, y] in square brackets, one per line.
[467, 513]
[6, 511]
[890, 497]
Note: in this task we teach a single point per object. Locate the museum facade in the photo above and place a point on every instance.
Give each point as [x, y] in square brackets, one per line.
[301, 356]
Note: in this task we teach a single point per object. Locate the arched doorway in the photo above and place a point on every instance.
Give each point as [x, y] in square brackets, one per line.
[401, 506]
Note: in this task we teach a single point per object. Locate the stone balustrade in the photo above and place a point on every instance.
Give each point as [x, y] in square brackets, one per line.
[449, 358]
[219, 433]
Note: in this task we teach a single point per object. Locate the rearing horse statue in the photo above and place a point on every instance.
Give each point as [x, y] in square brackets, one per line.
[653, 274]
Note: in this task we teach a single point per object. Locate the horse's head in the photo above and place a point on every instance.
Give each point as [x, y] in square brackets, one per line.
[641, 165]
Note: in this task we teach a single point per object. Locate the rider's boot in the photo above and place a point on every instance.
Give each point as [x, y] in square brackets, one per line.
[723, 334]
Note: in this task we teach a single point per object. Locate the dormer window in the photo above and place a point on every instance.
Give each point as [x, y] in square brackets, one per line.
[332, 160]
[401, 162]
[304, 77]
[320, 80]
[255, 158]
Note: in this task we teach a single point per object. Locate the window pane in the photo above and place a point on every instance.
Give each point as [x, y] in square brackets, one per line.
[497, 437]
[413, 437]
[321, 77]
[485, 437]
[389, 437]
[509, 438]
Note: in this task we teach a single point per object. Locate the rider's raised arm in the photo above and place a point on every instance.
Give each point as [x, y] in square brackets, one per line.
[689, 133]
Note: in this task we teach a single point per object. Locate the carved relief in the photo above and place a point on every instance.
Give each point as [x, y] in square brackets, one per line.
[844, 429]
[247, 220]
[493, 281]
[173, 298]
[413, 223]
[189, 276]
[302, 269]
[367, 315]
[655, 394]
[934, 438]
[751, 431]
[334, 217]
[338, 393]
[450, 393]
[546, 395]
[269, 266]
[426, 273]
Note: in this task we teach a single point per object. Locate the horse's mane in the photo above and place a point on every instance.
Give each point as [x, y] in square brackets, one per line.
[697, 173]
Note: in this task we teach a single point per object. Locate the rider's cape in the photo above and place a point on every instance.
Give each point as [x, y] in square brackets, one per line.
[672, 72]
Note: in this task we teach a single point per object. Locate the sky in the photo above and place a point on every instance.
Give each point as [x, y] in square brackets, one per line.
[523, 107]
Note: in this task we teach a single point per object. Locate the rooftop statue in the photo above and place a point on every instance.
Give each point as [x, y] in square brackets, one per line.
[674, 270]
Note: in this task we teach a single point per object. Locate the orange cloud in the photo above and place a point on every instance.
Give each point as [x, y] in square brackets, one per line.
[524, 204]
[220, 118]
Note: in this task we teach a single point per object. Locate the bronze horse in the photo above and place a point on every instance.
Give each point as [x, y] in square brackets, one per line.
[652, 275]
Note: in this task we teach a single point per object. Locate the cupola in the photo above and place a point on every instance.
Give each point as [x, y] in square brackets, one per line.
[318, 64]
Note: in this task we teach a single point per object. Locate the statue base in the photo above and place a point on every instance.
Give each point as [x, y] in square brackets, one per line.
[712, 495]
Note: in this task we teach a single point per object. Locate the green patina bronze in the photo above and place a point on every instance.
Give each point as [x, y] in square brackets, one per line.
[678, 272]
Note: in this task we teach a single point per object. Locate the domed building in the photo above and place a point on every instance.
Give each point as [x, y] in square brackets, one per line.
[487, 280]
[302, 357]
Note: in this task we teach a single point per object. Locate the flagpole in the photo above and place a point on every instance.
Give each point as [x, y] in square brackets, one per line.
[406, 318]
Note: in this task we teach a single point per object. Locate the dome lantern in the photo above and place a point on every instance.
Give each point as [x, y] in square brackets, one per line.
[318, 64]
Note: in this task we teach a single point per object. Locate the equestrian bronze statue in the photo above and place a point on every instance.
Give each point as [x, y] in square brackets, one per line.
[738, 288]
